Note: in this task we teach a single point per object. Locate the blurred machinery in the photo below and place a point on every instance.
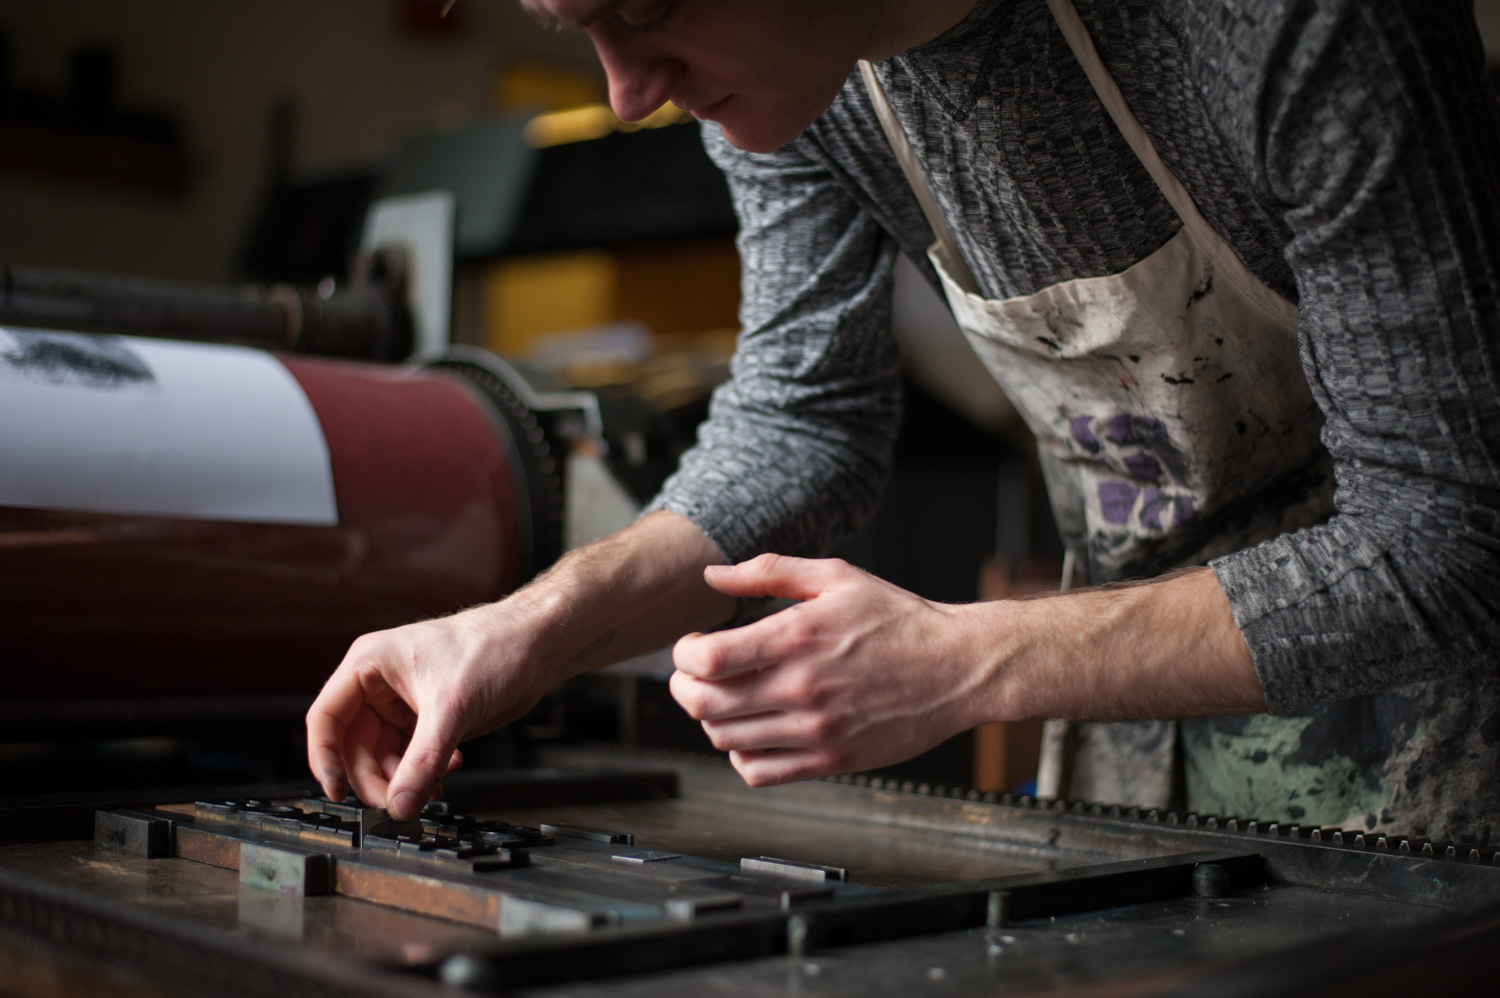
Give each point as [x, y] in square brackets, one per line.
[164, 503]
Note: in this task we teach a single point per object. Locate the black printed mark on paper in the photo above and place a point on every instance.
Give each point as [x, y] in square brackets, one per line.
[88, 361]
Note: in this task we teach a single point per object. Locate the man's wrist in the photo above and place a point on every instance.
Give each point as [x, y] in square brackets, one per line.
[629, 593]
[995, 637]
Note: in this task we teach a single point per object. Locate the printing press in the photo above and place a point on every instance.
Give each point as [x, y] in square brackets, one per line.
[186, 623]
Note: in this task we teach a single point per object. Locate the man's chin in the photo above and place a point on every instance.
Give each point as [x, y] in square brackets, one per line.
[752, 139]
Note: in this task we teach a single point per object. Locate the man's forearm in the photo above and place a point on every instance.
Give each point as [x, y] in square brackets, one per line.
[433, 684]
[1166, 648]
[632, 592]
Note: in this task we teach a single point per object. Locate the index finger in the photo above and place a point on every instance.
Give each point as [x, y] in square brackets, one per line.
[739, 650]
[327, 719]
[776, 575]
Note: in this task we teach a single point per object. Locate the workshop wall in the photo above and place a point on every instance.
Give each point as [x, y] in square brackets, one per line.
[361, 80]
[1487, 13]
[362, 73]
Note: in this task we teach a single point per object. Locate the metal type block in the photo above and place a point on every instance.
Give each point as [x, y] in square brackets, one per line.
[132, 833]
[501, 859]
[523, 916]
[792, 870]
[447, 822]
[216, 808]
[590, 834]
[396, 842]
[508, 836]
[376, 822]
[687, 908]
[290, 871]
[346, 810]
[339, 838]
[466, 855]
[644, 856]
[796, 896]
[509, 840]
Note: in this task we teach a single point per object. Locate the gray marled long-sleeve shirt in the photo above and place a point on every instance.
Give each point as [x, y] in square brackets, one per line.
[1348, 151]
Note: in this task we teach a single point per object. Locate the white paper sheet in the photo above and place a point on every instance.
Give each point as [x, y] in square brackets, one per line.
[114, 424]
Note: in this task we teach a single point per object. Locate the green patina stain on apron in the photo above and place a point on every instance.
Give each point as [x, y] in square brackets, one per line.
[1252, 767]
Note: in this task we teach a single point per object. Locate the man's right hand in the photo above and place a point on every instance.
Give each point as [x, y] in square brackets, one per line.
[391, 717]
[389, 720]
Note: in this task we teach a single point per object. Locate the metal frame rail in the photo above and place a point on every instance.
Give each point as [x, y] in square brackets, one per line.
[572, 903]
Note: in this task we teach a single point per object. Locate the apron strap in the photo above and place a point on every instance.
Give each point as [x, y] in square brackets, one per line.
[953, 260]
[1224, 258]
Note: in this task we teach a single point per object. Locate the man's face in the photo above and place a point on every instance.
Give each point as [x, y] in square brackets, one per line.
[763, 69]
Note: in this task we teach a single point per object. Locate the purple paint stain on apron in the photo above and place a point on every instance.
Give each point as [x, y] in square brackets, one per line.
[1153, 434]
[1078, 426]
[1183, 513]
[1116, 499]
[1151, 506]
[1117, 429]
[1142, 467]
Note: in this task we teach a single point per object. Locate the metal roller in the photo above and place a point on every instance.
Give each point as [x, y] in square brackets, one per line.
[183, 519]
[367, 319]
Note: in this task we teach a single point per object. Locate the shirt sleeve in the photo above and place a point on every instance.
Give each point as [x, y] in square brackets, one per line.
[797, 444]
[1374, 131]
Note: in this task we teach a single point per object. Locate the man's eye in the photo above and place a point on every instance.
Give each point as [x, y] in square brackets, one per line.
[645, 15]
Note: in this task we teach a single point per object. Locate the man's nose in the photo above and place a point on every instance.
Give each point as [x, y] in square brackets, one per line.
[640, 80]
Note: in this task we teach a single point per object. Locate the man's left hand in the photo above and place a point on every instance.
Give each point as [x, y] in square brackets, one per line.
[860, 674]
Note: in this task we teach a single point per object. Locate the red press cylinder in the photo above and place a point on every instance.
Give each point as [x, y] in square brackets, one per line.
[429, 520]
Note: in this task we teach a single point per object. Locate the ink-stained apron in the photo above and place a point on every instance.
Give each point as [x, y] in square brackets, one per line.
[1168, 403]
